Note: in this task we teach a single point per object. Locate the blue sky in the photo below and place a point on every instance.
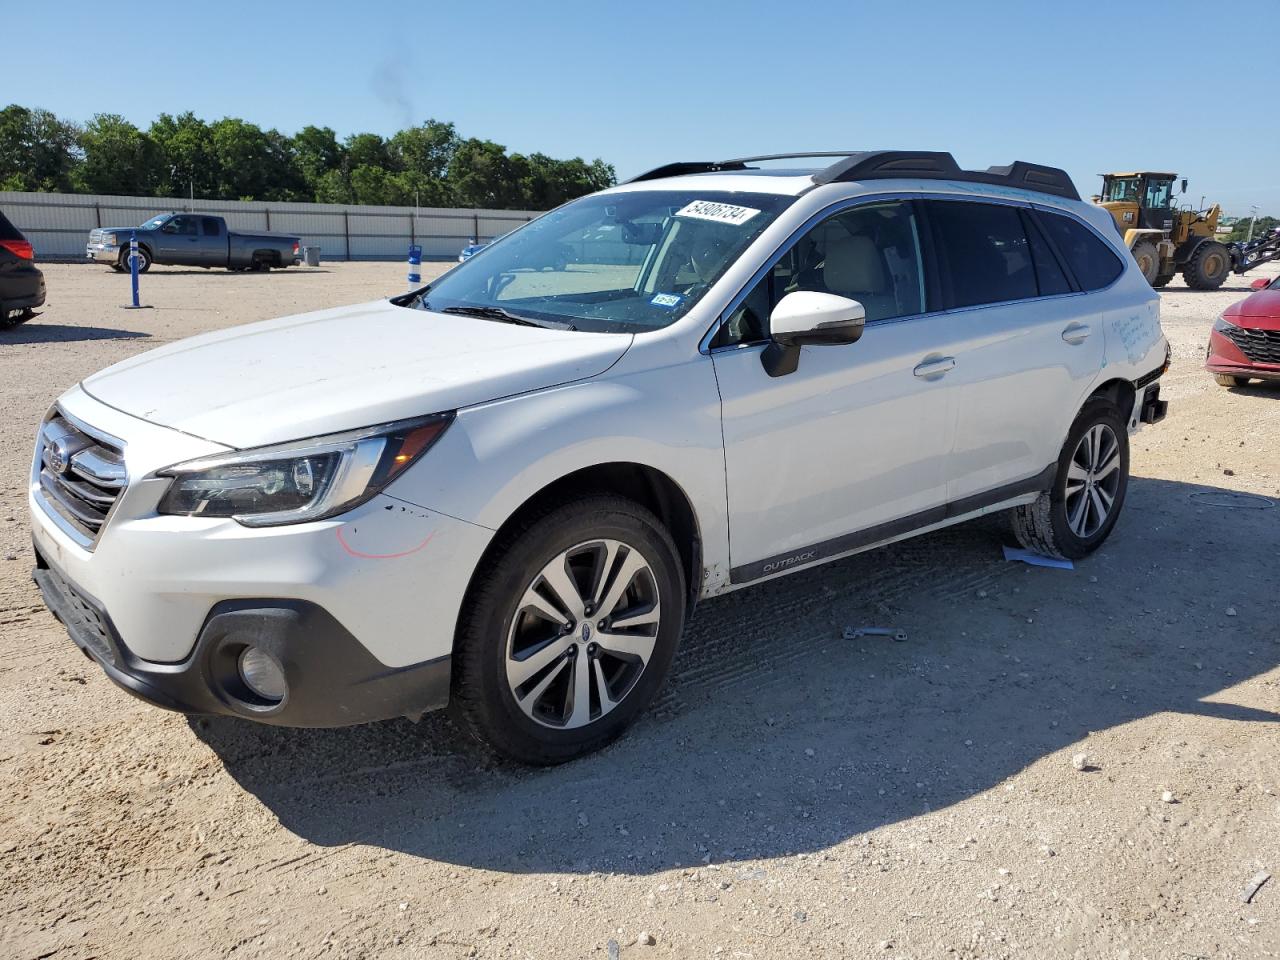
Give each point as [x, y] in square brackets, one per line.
[1086, 86]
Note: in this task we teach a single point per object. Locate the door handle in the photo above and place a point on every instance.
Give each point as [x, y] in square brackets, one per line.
[1076, 333]
[933, 369]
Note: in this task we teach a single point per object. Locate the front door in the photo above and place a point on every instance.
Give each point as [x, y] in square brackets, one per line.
[179, 240]
[852, 447]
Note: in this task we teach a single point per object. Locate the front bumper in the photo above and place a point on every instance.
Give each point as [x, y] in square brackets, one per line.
[332, 680]
[1224, 356]
[388, 578]
[102, 252]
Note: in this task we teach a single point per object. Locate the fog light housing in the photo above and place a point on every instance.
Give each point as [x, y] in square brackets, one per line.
[262, 674]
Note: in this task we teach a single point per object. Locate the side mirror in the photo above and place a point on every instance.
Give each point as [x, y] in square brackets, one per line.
[1184, 185]
[1260, 284]
[808, 318]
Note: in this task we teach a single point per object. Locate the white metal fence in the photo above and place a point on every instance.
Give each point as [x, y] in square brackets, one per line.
[58, 224]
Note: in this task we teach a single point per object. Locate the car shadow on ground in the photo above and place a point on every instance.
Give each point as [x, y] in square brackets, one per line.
[1259, 388]
[159, 271]
[33, 332]
[776, 736]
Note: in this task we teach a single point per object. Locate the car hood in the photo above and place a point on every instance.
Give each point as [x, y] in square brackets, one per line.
[342, 369]
[1263, 305]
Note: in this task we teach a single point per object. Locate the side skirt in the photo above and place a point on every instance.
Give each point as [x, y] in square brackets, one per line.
[957, 511]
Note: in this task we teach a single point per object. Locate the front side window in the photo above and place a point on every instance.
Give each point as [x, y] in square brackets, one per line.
[985, 249]
[870, 254]
[1124, 189]
[183, 226]
[1158, 193]
[622, 262]
[1094, 263]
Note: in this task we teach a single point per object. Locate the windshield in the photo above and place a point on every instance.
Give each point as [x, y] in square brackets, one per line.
[621, 262]
[157, 221]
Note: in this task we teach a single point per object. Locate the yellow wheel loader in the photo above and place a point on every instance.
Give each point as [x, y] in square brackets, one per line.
[1166, 237]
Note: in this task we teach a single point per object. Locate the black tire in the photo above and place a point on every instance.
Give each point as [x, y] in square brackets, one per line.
[1162, 280]
[1044, 525]
[1208, 267]
[1229, 380]
[144, 260]
[483, 701]
[1144, 252]
[12, 318]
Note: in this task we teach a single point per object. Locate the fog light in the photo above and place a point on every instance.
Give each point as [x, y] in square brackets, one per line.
[262, 674]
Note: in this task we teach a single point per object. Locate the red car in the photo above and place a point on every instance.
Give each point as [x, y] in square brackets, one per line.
[1245, 342]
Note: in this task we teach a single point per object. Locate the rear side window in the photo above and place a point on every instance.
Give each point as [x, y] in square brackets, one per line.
[985, 249]
[8, 231]
[1094, 263]
[211, 226]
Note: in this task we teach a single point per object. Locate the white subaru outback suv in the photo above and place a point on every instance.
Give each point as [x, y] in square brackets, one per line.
[507, 490]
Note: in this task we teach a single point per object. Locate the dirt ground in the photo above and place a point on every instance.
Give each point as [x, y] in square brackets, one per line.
[793, 794]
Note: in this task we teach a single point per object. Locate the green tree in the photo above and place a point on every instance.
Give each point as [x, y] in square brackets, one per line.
[119, 158]
[254, 164]
[482, 175]
[190, 160]
[425, 149]
[366, 150]
[317, 152]
[1263, 226]
[37, 150]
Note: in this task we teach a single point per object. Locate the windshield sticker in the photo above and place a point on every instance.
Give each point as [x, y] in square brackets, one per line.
[717, 212]
[669, 300]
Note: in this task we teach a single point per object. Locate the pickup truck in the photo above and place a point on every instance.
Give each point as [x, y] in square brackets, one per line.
[192, 240]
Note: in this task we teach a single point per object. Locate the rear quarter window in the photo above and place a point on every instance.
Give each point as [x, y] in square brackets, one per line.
[1093, 262]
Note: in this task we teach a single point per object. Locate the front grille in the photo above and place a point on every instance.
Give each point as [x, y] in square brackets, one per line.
[80, 476]
[1260, 346]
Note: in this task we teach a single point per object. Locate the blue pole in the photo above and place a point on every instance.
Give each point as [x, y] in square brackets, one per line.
[133, 265]
[415, 266]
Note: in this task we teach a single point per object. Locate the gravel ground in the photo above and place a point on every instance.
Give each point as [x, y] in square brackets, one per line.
[793, 794]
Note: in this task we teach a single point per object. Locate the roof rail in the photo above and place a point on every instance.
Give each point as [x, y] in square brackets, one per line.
[895, 164]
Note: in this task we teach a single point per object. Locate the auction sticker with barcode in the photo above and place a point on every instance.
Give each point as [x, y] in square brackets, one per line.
[717, 212]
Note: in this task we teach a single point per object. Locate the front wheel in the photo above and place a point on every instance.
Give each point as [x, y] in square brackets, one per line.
[1148, 260]
[1074, 517]
[144, 260]
[569, 630]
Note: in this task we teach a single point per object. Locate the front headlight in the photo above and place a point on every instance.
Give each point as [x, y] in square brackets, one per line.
[302, 480]
[1223, 325]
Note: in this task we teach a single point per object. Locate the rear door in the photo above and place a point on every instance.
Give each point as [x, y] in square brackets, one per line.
[1031, 342]
[213, 242]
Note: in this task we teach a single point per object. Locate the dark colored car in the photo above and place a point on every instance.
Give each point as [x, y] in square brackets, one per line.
[21, 284]
[1245, 341]
[192, 240]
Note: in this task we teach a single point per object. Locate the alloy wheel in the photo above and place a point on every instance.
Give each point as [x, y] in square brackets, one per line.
[582, 634]
[1093, 478]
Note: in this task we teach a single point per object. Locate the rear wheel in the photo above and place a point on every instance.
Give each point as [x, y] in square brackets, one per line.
[1228, 380]
[1148, 260]
[569, 630]
[1208, 267]
[1074, 517]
